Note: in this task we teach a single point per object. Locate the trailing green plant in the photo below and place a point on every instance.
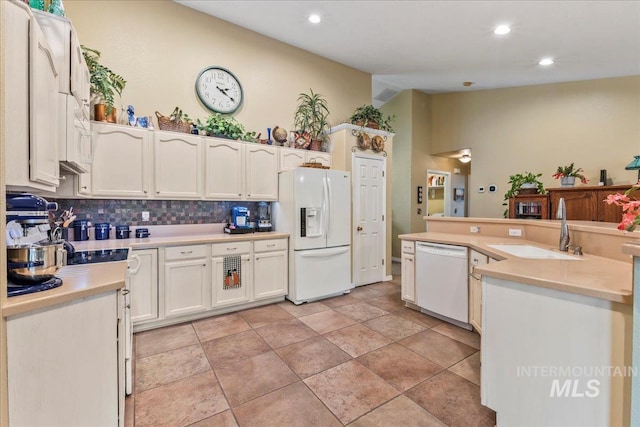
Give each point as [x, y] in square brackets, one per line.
[225, 126]
[311, 115]
[369, 114]
[517, 181]
[103, 81]
[179, 116]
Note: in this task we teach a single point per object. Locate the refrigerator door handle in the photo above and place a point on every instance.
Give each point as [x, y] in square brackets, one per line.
[323, 253]
[329, 207]
[325, 210]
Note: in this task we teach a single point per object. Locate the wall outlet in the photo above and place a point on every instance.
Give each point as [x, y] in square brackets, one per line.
[145, 216]
[515, 232]
[474, 229]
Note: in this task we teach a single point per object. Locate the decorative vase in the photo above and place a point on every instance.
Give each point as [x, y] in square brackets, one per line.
[99, 113]
[567, 181]
[528, 188]
[316, 145]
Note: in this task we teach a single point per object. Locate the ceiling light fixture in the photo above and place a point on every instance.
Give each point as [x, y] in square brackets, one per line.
[465, 158]
[546, 61]
[315, 18]
[501, 30]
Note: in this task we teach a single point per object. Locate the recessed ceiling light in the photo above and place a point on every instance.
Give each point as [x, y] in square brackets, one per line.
[501, 30]
[546, 61]
[465, 158]
[315, 18]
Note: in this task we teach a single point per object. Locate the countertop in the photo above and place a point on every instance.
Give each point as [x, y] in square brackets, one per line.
[79, 281]
[592, 276]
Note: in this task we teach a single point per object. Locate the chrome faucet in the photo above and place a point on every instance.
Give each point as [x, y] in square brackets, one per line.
[564, 228]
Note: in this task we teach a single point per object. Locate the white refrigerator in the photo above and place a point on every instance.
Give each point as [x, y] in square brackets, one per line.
[314, 207]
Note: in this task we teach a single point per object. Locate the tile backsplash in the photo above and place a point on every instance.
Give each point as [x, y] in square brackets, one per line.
[161, 212]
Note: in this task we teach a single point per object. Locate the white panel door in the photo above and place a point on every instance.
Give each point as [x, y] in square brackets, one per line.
[368, 219]
[338, 208]
[43, 109]
[224, 169]
[178, 165]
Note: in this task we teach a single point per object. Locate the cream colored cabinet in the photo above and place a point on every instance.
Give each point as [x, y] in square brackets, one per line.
[318, 157]
[122, 161]
[30, 102]
[270, 269]
[143, 285]
[224, 169]
[261, 172]
[177, 165]
[408, 282]
[231, 287]
[63, 364]
[290, 158]
[475, 289]
[186, 280]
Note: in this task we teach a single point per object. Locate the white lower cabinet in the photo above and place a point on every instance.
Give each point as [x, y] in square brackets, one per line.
[63, 364]
[143, 285]
[475, 289]
[186, 280]
[408, 277]
[270, 269]
[224, 292]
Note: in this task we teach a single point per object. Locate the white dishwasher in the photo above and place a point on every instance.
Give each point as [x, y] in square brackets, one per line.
[442, 283]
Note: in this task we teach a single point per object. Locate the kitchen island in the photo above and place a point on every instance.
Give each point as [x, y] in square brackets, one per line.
[556, 333]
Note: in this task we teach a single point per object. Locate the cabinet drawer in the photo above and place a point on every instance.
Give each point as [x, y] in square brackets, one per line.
[408, 247]
[231, 248]
[185, 252]
[270, 245]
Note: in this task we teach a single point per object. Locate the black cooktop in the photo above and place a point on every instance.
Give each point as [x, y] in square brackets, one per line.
[104, 255]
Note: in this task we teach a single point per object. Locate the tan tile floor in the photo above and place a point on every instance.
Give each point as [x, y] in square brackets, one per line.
[361, 359]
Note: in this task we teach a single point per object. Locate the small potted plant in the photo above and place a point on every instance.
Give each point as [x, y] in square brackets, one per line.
[105, 84]
[371, 117]
[223, 126]
[523, 183]
[311, 117]
[568, 175]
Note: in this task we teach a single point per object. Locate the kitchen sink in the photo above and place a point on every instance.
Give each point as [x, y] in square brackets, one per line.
[533, 252]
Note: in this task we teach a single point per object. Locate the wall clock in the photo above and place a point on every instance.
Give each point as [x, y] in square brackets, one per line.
[219, 90]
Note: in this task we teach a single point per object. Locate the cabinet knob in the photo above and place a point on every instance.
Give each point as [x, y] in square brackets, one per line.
[359, 228]
[144, 191]
[239, 194]
[84, 187]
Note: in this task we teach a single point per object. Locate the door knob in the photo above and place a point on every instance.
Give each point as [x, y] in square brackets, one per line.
[359, 228]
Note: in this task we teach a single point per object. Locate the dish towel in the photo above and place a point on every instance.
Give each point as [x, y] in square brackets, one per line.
[232, 272]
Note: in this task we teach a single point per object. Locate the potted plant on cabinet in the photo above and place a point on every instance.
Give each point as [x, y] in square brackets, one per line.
[311, 117]
[523, 183]
[371, 117]
[222, 126]
[105, 84]
[568, 175]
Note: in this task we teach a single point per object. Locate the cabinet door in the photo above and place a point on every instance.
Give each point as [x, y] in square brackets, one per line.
[185, 287]
[270, 275]
[606, 212]
[224, 169]
[580, 204]
[318, 157]
[43, 110]
[291, 158]
[408, 282]
[220, 296]
[177, 165]
[121, 161]
[261, 166]
[63, 364]
[475, 290]
[143, 285]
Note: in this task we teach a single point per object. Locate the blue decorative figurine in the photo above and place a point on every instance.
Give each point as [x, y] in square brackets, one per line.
[132, 118]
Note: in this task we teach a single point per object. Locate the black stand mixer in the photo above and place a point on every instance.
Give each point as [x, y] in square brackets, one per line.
[35, 252]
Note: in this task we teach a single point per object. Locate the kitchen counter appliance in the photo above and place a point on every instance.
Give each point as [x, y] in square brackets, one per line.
[442, 283]
[240, 222]
[315, 209]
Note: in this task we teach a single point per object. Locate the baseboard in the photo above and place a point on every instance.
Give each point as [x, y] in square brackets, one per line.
[388, 278]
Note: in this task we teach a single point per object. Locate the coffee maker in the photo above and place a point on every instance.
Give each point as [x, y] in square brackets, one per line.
[34, 251]
[240, 222]
[263, 222]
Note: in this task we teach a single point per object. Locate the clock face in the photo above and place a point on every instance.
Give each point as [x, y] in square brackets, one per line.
[219, 90]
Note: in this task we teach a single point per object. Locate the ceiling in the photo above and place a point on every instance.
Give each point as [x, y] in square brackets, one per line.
[435, 46]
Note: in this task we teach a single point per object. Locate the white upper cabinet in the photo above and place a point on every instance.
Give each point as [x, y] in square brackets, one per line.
[31, 105]
[318, 157]
[261, 165]
[224, 169]
[291, 158]
[177, 165]
[122, 161]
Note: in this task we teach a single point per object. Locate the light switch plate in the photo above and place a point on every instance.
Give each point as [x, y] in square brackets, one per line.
[515, 232]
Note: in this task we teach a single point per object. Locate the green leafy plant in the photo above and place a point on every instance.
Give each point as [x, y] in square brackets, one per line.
[365, 115]
[179, 116]
[517, 181]
[311, 115]
[104, 82]
[224, 126]
[571, 170]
